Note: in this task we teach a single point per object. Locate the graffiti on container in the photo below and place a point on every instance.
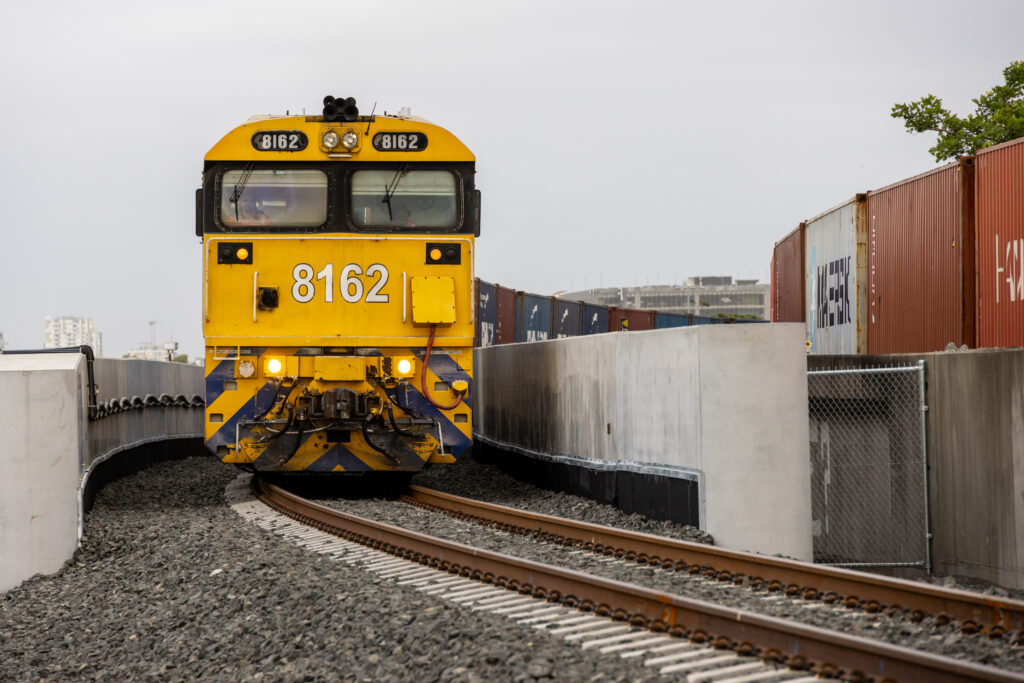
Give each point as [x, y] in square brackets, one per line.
[487, 329]
[561, 325]
[1013, 266]
[486, 333]
[532, 334]
[834, 293]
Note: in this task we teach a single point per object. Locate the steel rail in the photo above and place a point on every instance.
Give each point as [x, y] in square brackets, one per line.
[974, 611]
[796, 645]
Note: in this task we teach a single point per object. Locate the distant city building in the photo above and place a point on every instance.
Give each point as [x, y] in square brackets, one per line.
[165, 353]
[716, 296]
[69, 331]
[3, 344]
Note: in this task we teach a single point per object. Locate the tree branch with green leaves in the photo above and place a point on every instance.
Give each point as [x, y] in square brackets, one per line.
[998, 117]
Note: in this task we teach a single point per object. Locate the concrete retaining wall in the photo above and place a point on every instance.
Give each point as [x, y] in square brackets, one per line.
[49, 448]
[725, 406]
[42, 440]
[975, 442]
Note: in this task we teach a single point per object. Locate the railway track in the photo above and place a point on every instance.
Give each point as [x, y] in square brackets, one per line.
[674, 633]
[974, 612]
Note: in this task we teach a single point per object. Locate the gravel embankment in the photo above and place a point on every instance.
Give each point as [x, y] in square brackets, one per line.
[171, 584]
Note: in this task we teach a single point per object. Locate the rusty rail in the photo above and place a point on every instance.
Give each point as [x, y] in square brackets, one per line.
[874, 593]
[798, 646]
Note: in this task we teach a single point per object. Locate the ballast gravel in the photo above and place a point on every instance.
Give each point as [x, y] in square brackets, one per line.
[172, 585]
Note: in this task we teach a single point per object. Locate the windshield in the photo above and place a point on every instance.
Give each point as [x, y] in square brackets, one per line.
[404, 198]
[279, 197]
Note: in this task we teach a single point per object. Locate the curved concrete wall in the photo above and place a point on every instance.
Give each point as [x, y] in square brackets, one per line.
[726, 404]
[117, 378]
[49, 447]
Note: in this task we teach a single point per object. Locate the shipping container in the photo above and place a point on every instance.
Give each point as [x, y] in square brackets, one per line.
[486, 314]
[835, 267]
[568, 321]
[506, 332]
[707, 320]
[595, 319]
[920, 245]
[999, 207]
[533, 317]
[664, 320]
[629, 319]
[788, 278]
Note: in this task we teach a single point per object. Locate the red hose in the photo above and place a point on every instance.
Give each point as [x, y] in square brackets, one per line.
[423, 377]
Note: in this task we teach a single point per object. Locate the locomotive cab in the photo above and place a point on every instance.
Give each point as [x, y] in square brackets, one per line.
[337, 296]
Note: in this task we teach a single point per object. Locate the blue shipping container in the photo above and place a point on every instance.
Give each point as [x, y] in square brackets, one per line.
[568, 320]
[663, 320]
[533, 317]
[595, 319]
[486, 314]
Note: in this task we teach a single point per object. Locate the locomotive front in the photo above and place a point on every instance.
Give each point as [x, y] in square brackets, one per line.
[337, 292]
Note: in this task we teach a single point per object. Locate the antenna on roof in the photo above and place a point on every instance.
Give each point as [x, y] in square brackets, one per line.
[368, 123]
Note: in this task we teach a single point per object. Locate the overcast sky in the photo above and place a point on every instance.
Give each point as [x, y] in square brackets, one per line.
[616, 143]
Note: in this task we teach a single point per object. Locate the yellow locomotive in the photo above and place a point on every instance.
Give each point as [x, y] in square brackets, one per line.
[338, 292]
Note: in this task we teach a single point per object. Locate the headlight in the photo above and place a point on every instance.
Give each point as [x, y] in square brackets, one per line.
[275, 367]
[349, 140]
[246, 369]
[330, 139]
[404, 367]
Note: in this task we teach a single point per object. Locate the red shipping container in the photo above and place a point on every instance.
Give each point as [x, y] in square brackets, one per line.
[999, 206]
[920, 245]
[629, 319]
[788, 278]
[506, 333]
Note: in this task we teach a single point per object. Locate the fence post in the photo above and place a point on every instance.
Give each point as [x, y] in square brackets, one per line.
[923, 397]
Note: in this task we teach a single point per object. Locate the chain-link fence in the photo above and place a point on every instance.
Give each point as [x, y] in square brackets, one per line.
[868, 466]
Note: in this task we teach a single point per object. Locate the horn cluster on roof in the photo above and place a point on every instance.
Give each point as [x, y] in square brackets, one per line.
[340, 109]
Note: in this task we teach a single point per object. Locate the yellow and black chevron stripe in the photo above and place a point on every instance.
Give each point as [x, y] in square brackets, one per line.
[234, 403]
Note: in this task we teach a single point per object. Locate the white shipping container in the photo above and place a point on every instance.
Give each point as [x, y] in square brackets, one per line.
[836, 286]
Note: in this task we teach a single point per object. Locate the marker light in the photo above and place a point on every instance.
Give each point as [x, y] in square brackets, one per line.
[435, 254]
[246, 369]
[349, 140]
[404, 366]
[329, 139]
[242, 254]
[274, 366]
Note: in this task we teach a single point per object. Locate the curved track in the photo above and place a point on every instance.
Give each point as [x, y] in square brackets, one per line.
[975, 612]
[800, 647]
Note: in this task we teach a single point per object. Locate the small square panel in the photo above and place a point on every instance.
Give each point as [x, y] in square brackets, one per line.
[433, 299]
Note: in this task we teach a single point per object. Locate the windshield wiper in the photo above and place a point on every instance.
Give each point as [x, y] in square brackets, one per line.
[236, 194]
[389, 189]
[387, 200]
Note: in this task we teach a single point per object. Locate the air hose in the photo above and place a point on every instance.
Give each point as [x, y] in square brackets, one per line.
[423, 378]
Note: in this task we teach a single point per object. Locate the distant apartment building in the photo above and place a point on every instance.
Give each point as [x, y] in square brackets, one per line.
[70, 331]
[707, 295]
